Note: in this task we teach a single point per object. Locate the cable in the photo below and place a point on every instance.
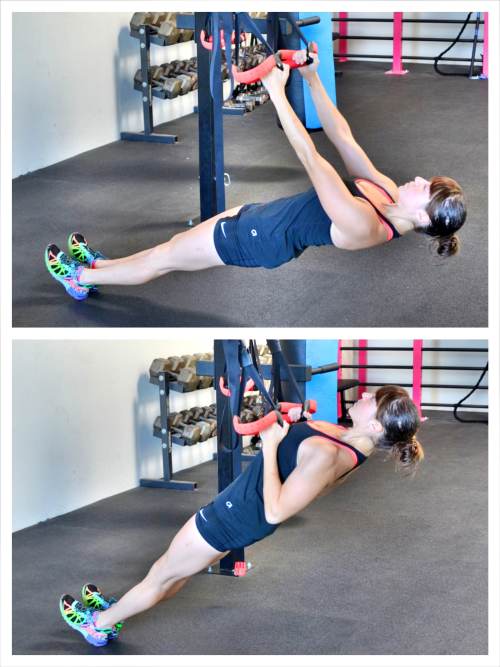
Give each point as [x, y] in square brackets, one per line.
[476, 386]
[436, 60]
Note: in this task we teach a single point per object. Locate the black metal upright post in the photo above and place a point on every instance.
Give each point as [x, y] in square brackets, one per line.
[210, 126]
[228, 460]
[295, 353]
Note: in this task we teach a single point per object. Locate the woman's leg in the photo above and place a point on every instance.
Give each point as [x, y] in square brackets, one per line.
[187, 554]
[102, 263]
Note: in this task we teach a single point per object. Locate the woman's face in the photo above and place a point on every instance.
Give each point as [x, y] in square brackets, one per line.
[414, 197]
[364, 411]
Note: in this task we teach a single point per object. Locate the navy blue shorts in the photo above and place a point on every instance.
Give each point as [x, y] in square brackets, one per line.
[212, 529]
[251, 239]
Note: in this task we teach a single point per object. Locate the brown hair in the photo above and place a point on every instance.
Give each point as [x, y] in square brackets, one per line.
[447, 214]
[399, 418]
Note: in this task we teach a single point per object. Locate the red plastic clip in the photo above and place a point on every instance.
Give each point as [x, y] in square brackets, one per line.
[250, 386]
[240, 568]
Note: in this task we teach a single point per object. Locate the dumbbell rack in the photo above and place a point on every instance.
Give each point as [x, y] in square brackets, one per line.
[167, 438]
[146, 37]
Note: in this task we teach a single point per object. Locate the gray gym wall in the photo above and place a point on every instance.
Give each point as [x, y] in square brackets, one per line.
[73, 72]
[82, 421]
[83, 413]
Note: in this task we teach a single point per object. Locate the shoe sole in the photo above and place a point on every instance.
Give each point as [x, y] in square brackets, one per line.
[62, 282]
[88, 638]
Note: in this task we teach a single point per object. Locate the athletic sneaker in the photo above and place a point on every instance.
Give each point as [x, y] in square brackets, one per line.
[66, 271]
[82, 620]
[93, 598]
[81, 251]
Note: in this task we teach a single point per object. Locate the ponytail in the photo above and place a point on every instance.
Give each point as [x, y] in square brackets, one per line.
[447, 246]
[407, 456]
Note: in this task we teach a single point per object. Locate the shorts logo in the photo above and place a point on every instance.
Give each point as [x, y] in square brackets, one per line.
[253, 232]
[229, 504]
[203, 516]
[222, 228]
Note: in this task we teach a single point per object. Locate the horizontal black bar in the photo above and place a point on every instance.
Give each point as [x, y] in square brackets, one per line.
[409, 368]
[377, 55]
[426, 386]
[424, 349]
[327, 368]
[440, 405]
[389, 20]
[452, 405]
[382, 38]
[310, 20]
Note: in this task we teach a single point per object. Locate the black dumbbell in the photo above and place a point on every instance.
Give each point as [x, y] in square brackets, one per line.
[167, 28]
[186, 67]
[140, 18]
[206, 414]
[186, 81]
[192, 417]
[188, 432]
[189, 361]
[170, 86]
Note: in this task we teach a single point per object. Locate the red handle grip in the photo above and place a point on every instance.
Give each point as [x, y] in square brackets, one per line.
[308, 406]
[254, 428]
[257, 73]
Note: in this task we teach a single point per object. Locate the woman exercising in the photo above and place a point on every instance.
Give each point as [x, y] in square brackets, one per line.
[366, 211]
[297, 463]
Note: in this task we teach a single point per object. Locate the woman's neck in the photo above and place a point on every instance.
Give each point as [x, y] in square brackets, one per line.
[358, 439]
[397, 218]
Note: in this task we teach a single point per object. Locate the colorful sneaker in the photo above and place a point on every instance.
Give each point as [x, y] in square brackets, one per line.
[82, 620]
[81, 251]
[93, 598]
[66, 271]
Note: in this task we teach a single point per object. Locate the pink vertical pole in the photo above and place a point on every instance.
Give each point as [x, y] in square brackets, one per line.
[339, 377]
[397, 48]
[485, 46]
[342, 39]
[362, 361]
[417, 375]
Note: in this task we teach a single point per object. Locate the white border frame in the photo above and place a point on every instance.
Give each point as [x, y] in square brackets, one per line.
[8, 335]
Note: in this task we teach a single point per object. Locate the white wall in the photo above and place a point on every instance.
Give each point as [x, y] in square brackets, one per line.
[417, 49]
[72, 87]
[73, 79]
[393, 376]
[83, 414]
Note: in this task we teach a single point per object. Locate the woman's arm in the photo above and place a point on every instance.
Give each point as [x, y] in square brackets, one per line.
[303, 485]
[349, 216]
[337, 129]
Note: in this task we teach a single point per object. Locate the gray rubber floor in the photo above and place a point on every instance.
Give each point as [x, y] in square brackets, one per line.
[383, 565]
[129, 196]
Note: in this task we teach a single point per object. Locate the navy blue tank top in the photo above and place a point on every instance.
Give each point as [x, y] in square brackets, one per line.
[241, 504]
[351, 185]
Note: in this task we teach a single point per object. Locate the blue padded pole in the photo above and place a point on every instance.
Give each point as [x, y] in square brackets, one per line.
[321, 33]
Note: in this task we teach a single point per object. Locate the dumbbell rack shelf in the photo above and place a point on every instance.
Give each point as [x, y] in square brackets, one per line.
[155, 39]
[146, 36]
[155, 92]
[167, 438]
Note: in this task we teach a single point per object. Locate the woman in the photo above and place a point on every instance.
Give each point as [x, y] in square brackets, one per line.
[364, 212]
[296, 465]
